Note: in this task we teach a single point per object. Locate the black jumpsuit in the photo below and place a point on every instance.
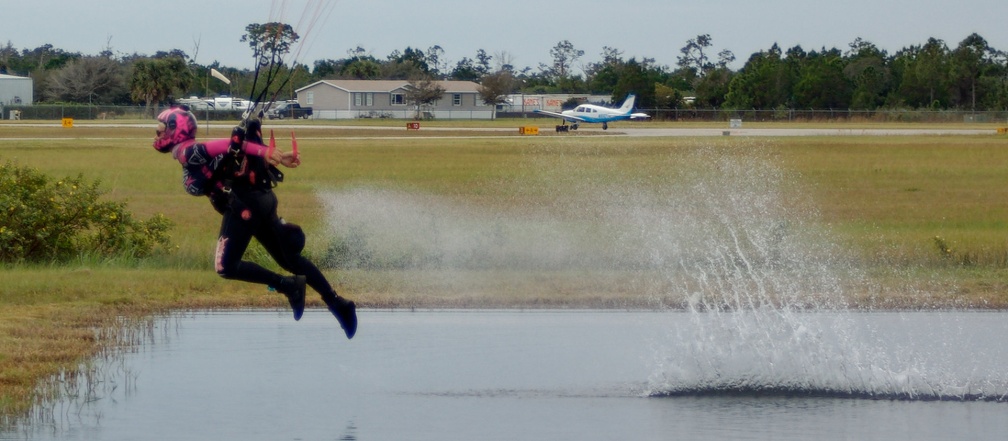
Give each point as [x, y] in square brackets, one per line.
[251, 211]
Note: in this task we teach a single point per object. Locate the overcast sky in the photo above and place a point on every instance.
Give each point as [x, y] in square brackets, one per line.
[525, 29]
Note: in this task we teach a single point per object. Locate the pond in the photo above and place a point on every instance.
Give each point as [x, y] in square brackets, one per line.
[582, 374]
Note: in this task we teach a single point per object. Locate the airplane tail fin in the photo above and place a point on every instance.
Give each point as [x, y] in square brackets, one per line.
[627, 106]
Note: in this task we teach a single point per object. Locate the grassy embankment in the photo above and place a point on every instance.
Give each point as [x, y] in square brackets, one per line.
[924, 216]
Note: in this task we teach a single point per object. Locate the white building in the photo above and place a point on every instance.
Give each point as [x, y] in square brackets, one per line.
[16, 90]
[528, 103]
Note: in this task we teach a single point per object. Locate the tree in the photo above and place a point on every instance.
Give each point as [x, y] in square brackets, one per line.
[299, 74]
[869, 74]
[725, 57]
[86, 79]
[634, 78]
[494, 88]
[414, 57]
[667, 97]
[694, 56]
[763, 83]
[326, 68]
[468, 69]
[483, 62]
[436, 61]
[995, 82]
[46, 57]
[405, 65]
[710, 90]
[154, 80]
[39, 63]
[603, 76]
[967, 62]
[505, 61]
[423, 92]
[269, 41]
[7, 55]
[358, 65]
[465, 70]
[559, 73]
[923, 74]
[361, 69]
[821, 83]
[708, 80]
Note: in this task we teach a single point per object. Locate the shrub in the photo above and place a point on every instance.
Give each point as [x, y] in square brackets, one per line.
[41, 220]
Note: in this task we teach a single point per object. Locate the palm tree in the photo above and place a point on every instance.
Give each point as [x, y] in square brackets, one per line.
[154, 80]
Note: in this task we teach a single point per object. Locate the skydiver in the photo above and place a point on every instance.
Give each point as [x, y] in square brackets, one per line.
[238, 176]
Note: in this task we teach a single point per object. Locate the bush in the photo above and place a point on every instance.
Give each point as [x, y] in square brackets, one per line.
[45, 221]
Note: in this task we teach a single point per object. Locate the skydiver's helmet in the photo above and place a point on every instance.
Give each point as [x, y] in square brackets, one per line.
[177, 125]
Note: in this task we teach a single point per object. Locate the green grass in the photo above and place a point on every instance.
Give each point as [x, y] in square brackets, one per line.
[891, 197]
[924, 217]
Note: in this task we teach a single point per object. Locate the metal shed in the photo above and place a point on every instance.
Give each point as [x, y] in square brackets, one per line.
[16, 90]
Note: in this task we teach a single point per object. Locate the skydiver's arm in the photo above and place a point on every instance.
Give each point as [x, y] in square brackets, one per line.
[220, 146]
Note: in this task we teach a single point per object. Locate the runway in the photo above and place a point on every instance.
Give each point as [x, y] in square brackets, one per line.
[594, 131]
[776, 132]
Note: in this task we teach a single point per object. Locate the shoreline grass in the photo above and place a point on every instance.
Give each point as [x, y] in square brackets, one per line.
[923, 216]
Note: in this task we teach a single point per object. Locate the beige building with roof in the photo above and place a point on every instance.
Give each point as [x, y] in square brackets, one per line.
[350, 99]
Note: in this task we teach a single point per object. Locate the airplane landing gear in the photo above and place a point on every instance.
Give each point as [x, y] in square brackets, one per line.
[605, 126]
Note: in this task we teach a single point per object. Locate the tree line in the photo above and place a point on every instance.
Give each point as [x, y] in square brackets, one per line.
[972, 75]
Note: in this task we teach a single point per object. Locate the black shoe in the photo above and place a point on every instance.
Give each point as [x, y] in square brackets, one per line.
[346, 313]
[294, 288]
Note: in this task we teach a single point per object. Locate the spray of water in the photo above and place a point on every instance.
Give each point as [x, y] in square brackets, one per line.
[769, 297]
[716, 230]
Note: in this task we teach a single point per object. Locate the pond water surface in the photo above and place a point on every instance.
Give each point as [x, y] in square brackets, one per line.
[584, 375]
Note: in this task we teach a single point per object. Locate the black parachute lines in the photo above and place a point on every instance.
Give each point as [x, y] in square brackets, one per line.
[273, 41]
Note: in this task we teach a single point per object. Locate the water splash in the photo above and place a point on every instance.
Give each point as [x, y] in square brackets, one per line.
[721, 231]
[769, 298]
[780, 352]
[382, 229]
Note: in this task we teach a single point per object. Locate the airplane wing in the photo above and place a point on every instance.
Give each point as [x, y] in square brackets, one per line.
[559, 115]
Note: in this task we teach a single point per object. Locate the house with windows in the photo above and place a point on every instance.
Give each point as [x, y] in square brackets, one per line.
[350, 99]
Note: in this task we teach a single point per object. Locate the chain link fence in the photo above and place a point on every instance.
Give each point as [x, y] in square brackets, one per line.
[815, 115]
[55, 112]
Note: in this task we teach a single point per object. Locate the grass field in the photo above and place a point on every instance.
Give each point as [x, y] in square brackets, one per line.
[548, 221]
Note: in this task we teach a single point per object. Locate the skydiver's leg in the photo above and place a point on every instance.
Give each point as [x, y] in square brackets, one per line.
[235, 234]
[284, 243]
[292, 260]
[278, 245]
[234, 238]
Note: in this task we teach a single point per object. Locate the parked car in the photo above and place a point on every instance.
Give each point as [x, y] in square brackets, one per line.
[228, 103]
[289, 110]
[195, 103]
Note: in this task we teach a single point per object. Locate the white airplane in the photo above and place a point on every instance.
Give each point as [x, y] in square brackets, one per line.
[590, 113]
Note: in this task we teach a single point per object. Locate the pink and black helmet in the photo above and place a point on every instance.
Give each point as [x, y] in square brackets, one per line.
[180, 126]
